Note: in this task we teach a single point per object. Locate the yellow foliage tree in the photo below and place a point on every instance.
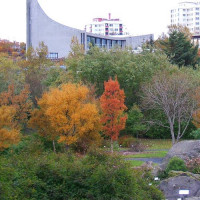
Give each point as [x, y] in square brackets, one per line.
[8, 134]
[66, 115]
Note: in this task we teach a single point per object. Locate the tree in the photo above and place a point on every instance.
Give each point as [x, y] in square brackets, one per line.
[75, 57]
[20, 102]
[67, 116]
[8, 134]
[10, 73]
[112, 104]
[100, 64]
[172, 95]
[179, 48]
[35, 70]
[135, 121]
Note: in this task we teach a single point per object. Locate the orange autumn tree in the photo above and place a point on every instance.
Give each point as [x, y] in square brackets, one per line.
[8, 134]
[66, 115]
[20, 102]
[113, 107]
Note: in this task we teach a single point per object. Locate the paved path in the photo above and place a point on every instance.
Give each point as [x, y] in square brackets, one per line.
[154, 160]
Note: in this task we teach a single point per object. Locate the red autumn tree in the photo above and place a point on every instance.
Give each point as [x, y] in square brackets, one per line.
[112, 104]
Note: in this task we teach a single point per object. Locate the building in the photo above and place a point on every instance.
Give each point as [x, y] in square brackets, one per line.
[187, 14]
[57, 37]
[103, 26]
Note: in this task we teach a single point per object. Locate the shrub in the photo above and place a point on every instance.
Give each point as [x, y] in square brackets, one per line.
[176, 164]
[55, 176]
[193, 165]
[137, 146]
[196, 134]
[130, 142]
[126, 141]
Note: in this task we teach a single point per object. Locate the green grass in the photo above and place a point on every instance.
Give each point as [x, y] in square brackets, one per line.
[156, 154]
[156, 143]
[135, 163]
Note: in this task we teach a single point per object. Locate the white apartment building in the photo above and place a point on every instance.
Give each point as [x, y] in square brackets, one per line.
[187, 14]
[103, 26]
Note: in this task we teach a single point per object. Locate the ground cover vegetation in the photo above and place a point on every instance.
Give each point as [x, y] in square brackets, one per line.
[53, 120]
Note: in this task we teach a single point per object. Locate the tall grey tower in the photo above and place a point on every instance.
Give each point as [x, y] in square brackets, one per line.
[41, 28]
[28, 24]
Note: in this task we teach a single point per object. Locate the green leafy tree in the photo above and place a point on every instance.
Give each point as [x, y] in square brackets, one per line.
[10, 73]
[100, 64]
[134, 123]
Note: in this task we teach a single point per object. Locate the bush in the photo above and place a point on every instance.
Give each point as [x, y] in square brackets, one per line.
[176, 164]
[193, 165]
[130, 142]
[126, 141]
[196, 134]
[57, 176]
[137, 146]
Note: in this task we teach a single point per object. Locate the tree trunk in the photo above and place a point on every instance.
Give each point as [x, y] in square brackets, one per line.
[54, 147]
[172, 134]
[111, 145]
[173, 137]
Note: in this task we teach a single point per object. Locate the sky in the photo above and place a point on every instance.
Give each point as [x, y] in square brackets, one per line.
[140, 16]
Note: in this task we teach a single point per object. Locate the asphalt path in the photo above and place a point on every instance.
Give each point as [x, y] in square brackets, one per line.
[154, 160]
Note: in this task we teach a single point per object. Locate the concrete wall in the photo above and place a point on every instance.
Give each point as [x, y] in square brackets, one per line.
[41, 28]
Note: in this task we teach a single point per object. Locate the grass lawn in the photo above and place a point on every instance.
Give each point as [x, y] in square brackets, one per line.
[156, 143]
[156, 154]
[135, 163]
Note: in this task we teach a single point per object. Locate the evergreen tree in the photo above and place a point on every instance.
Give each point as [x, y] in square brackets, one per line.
[179, 49]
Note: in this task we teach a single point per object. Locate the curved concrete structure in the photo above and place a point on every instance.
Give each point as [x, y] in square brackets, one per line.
[41, 28]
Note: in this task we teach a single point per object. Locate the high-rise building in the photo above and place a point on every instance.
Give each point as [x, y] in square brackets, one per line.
[103, 26]
[187, 14]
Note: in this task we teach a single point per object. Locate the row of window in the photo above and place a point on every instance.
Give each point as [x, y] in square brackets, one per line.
[184, 10]
[110, 25]
[100, 42]
[108, 29]
[53, 56]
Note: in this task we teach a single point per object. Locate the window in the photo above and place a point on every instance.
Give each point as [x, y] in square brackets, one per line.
[197, 23]
[114, 42]
[111, 25]
[197, 18]
[197, 8]
[98, 42]
[120, 43]
[109, 43]
[104, 43]
[53, 56]
[197, 13]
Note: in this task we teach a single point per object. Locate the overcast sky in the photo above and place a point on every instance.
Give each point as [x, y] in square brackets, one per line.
[140, 16]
